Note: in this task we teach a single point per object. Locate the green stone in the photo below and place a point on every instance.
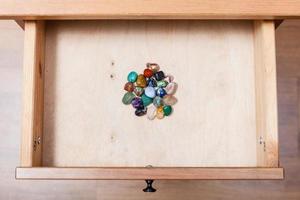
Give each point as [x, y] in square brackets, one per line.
[146, 100]
[157, 101]
[127, 98]
[167, 110]
[138, 91]
[162, 83]
[132, 76]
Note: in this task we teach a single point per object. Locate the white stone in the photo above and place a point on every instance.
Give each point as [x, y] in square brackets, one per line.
[151, 112]
[171, 88]
[150, 92]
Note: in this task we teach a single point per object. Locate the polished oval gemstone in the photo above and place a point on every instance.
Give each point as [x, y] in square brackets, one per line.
[129, 87]
[140, 112]
[138, 91]
[171, 88]
[169, 100]
[137, 103]
[157, 101]
[151, 112]
[153, 66]
[146, 100]
[161, 92]
[151, 82]
[159, 75]
[141, 81]
[132, 77]
[150, 92]
[162, 83]
[167, 110]
[160, 113]
[127, 98]
[148, 73]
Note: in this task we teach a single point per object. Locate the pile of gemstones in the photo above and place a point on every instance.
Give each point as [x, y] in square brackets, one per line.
[150, 93]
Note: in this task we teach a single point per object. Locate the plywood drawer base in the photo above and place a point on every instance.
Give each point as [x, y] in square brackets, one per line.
[224, 125]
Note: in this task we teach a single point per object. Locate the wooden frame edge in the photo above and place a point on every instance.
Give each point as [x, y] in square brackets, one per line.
[149, 9]
[278, 23]
[33, 92]
[157, 173]
[266, 94]
[21, 23]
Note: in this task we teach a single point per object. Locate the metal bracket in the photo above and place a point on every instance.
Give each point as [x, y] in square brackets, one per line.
[37, 141]
[262, 142]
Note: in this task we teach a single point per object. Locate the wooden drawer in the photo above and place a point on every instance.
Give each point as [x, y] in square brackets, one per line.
[75, 126]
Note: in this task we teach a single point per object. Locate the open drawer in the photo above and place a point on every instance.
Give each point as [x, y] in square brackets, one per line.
[224, 125]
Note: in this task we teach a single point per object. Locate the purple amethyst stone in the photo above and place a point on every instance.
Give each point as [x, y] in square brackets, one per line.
[137, 103]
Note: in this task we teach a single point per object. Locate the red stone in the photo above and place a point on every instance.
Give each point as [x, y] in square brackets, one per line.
[129, 87]
[148, 73]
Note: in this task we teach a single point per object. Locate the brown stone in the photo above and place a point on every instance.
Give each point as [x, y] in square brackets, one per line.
[129, 87]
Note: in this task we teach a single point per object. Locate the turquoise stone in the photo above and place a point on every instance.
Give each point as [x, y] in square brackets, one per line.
[127, 98]
[157, 101]
[146, 100]
[167, 110]
[162, 83]
[132, 76]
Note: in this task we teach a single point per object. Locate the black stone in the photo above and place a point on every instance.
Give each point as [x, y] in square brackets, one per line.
[140, 111]
[160, 75]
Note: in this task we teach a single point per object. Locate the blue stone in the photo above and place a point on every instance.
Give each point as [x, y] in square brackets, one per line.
[151, 82]
[161, 92]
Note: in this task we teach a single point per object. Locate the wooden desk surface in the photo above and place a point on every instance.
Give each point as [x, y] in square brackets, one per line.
[288, 49]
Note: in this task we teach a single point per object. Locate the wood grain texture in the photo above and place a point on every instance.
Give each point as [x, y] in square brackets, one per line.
[149, 9]
[149, 173]
[11, 53]
[31, 151]
[87, 63]
[266, 94]
[288, 60]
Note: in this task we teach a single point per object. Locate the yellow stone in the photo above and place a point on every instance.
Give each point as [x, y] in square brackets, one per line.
[141, 81]
[160, 113]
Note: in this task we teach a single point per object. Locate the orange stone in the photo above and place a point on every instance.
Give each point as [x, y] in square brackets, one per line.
[148, 73]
